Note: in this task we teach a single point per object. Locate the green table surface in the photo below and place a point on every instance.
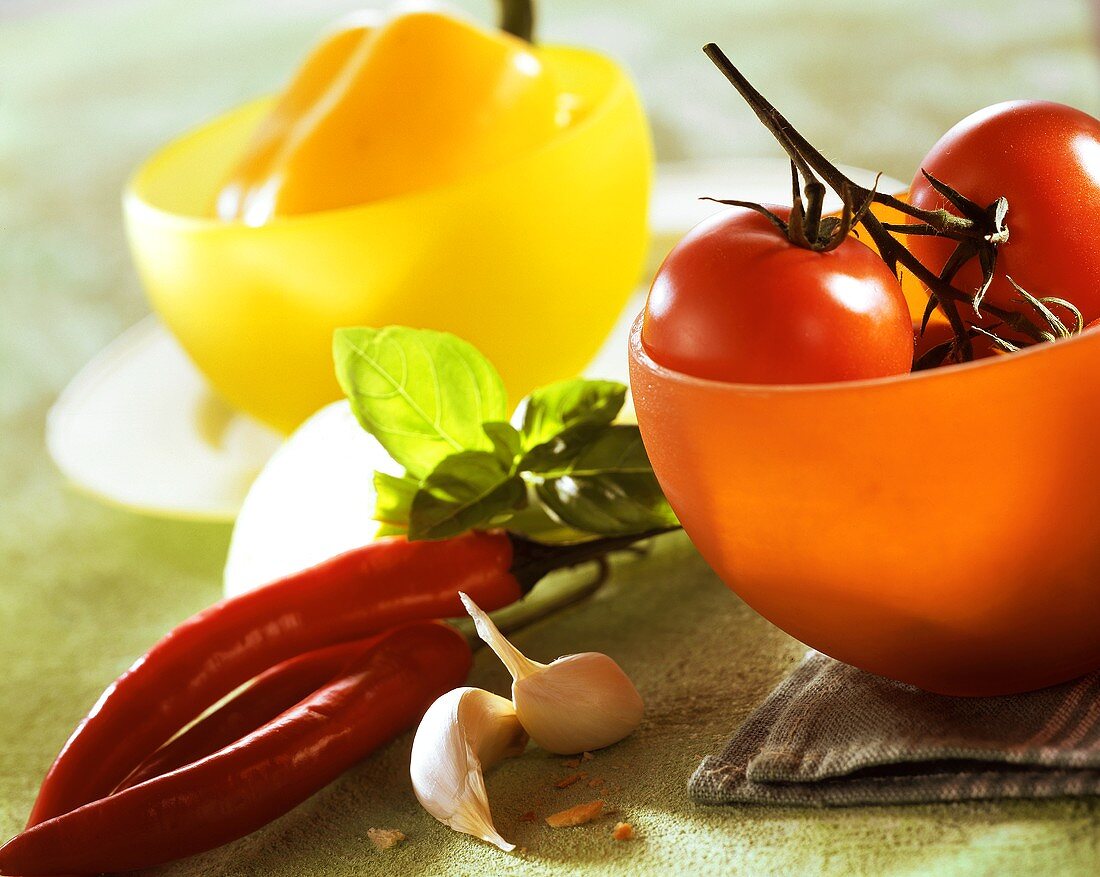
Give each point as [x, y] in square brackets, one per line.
[88, 88]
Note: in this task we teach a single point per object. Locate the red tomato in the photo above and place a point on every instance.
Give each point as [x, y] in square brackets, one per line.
[1045, 159]
[736, 301]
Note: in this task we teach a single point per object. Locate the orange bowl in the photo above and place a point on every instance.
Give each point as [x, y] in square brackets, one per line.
[940, 528]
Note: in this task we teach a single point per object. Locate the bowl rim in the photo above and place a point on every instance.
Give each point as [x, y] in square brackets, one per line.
[134, 199]
[638, 354]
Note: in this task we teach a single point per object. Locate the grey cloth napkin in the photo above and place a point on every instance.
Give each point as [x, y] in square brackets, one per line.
[834, 736]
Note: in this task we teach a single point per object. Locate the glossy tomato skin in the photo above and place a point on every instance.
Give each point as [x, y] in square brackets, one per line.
[1045, 159]
[736, 301]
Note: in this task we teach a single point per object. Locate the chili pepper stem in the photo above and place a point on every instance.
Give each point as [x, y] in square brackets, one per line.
[540, 604]
[531, 560]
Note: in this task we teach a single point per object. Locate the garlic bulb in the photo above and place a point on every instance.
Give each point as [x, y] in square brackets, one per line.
[463, 733]
[575, 704]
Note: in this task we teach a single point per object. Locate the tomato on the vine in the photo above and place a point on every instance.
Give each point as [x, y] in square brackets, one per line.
[1044, 158]
[736, 300]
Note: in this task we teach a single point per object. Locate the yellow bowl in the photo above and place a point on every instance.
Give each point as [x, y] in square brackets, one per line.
[531, 261]
[941, 528]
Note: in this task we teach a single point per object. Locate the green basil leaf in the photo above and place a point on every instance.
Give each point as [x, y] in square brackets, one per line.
[554, 457]
[393, 501]
[465, 491]
[550, 409]
[611, 505]
[605, 485]
[506, 441]
[535, 522]
[422, 394]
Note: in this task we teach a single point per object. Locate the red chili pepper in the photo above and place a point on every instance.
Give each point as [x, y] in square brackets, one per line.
[272, 692]
[383, 691]
[364, 591]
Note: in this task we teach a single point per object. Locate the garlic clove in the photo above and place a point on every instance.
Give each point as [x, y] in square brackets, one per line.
[579, 703]
[463, 733]
[575, 704]
[518, 664]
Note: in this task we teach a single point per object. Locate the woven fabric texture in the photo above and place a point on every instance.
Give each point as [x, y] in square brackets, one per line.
[831, 735]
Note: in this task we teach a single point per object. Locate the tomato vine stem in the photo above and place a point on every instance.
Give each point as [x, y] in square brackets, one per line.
[979, 231]
[794, 144]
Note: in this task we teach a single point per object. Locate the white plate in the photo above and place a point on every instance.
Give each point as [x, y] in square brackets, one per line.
[139, 426]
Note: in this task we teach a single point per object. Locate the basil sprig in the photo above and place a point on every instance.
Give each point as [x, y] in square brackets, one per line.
[564, 471]
[423, 395]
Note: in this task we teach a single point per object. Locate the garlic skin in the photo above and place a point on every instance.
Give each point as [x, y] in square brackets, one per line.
[577, 703]
[465, 732]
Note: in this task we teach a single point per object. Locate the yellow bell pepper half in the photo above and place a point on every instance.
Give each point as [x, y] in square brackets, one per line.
[531, 257]
[374, 112]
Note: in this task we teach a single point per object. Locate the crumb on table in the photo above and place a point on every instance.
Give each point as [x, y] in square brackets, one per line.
[578, 815]
[623, 831]
[529, 816]
[566, 782]
[384, 838]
